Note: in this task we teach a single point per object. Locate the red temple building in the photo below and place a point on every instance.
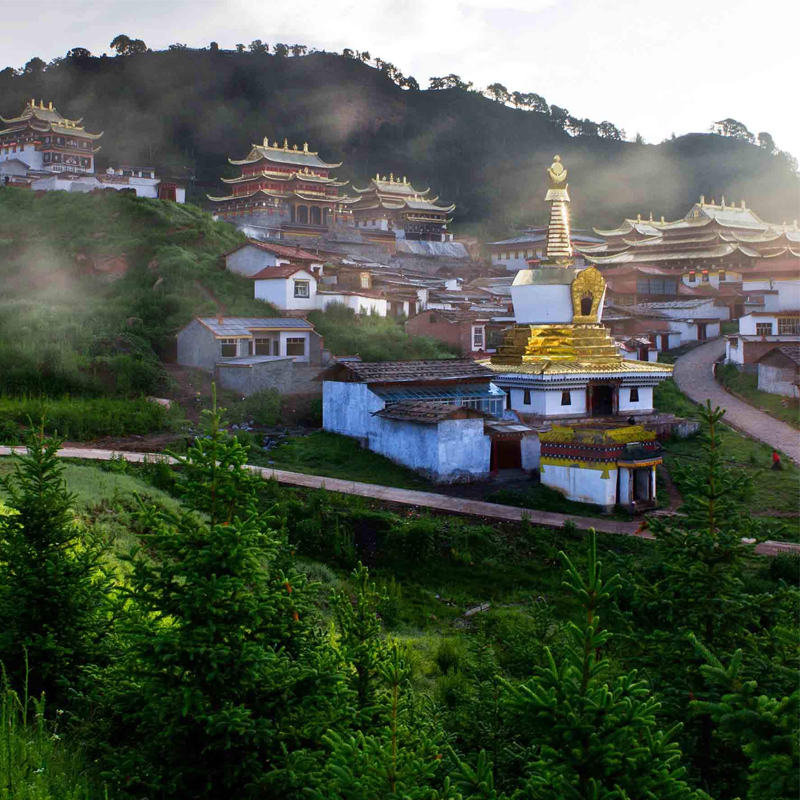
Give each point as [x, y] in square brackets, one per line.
[393, 209]
[284, 188]
[711, 237]
[40, 142]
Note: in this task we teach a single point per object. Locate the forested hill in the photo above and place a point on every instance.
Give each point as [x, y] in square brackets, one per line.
[186, 111]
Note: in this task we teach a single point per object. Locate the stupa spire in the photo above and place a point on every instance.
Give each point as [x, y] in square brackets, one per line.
[559, 244]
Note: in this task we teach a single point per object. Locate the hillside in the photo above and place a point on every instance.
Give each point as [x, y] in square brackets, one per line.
[95, 286]
[187, 111]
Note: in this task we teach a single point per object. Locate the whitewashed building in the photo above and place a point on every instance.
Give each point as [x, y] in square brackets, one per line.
[779, 371]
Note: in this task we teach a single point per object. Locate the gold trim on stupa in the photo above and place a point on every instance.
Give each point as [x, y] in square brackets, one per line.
[559, 240]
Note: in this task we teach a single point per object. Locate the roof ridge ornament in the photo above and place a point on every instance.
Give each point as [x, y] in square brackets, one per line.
[557, 172]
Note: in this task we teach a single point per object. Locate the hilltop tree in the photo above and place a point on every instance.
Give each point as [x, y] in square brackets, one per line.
[240, 48]
[54, 586]
[733, 128]
[450, 82]
[766, 141]
[639, 139]
[178, 46]
[298, 50]
[348, 53]
[411, 83]
[34, 66]
[257, 46]
[125, 46]
[559, 116]
[78, 53]
[608, 130]
[498, 92]
[530, 100]
[281, 50]
[214, 47]
[365, 56]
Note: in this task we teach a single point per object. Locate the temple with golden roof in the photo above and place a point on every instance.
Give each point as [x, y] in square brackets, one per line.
[42, 141]
[559, 366]
[391, 207]
[287, 187]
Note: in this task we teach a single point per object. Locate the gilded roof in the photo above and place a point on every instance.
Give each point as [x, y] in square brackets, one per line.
[391, 186]
[610, 367]
[285, 155]
[51, 119]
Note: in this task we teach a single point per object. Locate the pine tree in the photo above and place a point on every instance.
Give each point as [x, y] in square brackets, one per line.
[696, 586]
[54, 583]
[588, 738]
[225, 673]
[764, 728]
[361, 645]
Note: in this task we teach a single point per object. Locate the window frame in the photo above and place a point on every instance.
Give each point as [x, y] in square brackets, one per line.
[478, 337]
[566, 395]
[760, 329]
[526, 397]
[788, 326]
[223, 343]
[634, 395]
[302, 283]
[293, 341]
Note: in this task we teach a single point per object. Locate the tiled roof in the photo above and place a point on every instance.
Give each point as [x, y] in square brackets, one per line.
[409, 371]
[427, 412]
[791, 351]
[283, 271]
[280, 250]
[242, 326]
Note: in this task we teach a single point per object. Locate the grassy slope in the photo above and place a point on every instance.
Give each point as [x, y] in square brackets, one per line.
[745, 384]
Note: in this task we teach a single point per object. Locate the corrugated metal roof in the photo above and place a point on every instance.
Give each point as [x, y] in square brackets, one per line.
[243, 326]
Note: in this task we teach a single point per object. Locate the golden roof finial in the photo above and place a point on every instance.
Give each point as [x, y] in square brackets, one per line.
[556, 171]
[662, 219]
[638, 217]
[377, 176]
[285, 144]
[33, 103]
[305, 147]
[651, 216]
[713, 201]
[702, 199]
[266, 141]
[743, 205]
[50, 105]
[404, 180]
[41, 104]
[274, 144]
[723, 201]
[384, 178]
[391, 177]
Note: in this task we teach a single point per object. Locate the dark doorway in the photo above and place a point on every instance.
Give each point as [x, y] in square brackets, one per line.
[701, 331]
[586, 304]
[316, 216]
[506, 454]
[602, 401]
[664, 341]
[641, 484]
[302, 215]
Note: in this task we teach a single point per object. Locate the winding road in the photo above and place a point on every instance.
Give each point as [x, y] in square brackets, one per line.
[695, 378]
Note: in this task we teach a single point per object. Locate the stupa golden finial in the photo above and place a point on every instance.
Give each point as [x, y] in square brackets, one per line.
[557, 172]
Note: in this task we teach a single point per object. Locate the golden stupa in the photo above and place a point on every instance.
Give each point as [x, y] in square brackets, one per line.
[558, 309]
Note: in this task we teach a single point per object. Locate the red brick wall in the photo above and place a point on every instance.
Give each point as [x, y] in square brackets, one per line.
[754, 350]
[452, 333]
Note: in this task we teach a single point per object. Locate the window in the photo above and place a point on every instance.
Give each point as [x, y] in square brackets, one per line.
[526, 397]
[722, 276]
[763, 329]
[505, 257]
[566, 399]
[705, 276]
[365, 280]
[301, 288]
[227, 348]
[788, 325]
[262, 347]
[477, 337]
[692, 277]
[432, 319]
[734, 344]
[634, 395]
[295, 346]
[516, 254]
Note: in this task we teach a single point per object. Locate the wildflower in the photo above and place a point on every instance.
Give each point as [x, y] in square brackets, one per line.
[288, 586]
[295, 616]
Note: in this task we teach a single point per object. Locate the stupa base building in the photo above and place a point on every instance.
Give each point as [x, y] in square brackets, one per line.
[564, 376]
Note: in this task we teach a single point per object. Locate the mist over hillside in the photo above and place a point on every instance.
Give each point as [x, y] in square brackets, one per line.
[187, 111]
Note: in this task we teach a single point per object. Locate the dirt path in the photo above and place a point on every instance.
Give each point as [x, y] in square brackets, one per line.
[437, 502]
[693, 374]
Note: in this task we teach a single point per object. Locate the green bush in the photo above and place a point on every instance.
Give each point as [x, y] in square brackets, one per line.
[264, 407]
[448, 656]
[84, 418]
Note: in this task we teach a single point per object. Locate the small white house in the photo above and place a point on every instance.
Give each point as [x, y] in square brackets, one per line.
[254, 256]
[289, 288]
[143, 181]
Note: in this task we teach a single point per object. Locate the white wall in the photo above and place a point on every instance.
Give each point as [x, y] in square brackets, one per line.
[531, 450]
[777, 380]
[537, 404]
[347, 408]
[713, 278]
[734, 355]
[280, 291]
[553, 405]
[645, 399]
[701, 311]
[583, 485]
[249, 260]
[359, 304]
[747, 324]
[464, 450]
[284, 335]
[542, 303]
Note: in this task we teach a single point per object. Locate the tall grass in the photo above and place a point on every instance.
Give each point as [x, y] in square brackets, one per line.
[37, 760]
[84, 418]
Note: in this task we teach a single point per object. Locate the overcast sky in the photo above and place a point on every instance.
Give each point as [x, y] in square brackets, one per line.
[655, 68]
